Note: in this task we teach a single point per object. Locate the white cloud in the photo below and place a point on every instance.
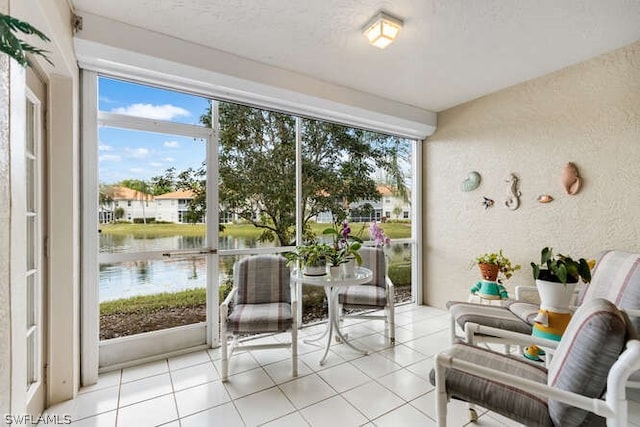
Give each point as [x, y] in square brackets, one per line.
[169, 159]
[150, 111]
[137, 152]
[155, 164]
[104, 147]
[109, 158]
[136, 170]
[171, 144]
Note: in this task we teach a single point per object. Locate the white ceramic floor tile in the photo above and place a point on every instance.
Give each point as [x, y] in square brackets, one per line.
[405, 384]
[214, 353]
[431, 325]
[107, 419]
[375, 365]
[143, 371]
[373, 343]
[106, 380]
[431, 344]
[373, 400]
[266, 357]
[264, 406]
[313, 360]
[291, 420]
[248, 382]
[193, 375]
[344, 377]
[333, 412]
[199, 398]
[239, 362]
[87, 404]
[422, 368]
[405, 416]
[189, 359]
[146, 388]
[346, 352]
[223, 415]
[402, 355]
[281, 372]
[492, 417]
[307, 390]
[152, 412]
[356, 331]
[457, 411]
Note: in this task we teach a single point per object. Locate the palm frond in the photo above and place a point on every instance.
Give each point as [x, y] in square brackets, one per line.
[15, 47]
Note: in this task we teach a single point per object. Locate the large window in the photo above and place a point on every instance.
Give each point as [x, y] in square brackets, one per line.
[177, 170]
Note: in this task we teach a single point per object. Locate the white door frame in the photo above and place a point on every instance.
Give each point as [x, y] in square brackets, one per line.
[98, 356]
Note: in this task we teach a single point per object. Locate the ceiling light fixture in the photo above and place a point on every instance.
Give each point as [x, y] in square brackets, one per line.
[382, 29]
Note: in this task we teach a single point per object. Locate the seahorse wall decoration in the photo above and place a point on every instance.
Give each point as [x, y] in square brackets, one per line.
[513, 200]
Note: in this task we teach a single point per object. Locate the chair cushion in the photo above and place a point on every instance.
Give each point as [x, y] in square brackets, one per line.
[616, 277]
[363, 295]
[487, 315]
[527, 408]
[589, 347]
[272, 317]
[524, 310]
[374, 260]
[262, 279]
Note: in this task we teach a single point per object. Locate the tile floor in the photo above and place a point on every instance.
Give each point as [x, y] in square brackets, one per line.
[389, 387]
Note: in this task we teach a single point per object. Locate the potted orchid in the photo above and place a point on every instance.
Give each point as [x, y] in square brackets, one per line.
[344, 249]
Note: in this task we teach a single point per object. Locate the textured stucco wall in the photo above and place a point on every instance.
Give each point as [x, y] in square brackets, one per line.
[5, 313]
[589, 114]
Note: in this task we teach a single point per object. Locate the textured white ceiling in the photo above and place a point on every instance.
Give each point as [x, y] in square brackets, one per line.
[449, 52]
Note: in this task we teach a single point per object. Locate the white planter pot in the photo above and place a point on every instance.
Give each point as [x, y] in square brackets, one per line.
[555, 297]
[335, 271]
[349, 268]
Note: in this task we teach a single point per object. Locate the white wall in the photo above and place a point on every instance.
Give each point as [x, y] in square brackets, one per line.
[589, 114]
[54, 19]
[5, 313]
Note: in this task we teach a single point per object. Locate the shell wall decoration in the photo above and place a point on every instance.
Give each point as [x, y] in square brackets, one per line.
[513, 199]
[545, 198]
[471, 182]
[570, 179]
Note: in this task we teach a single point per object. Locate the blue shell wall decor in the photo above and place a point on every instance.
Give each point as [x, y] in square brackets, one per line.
[471, 182]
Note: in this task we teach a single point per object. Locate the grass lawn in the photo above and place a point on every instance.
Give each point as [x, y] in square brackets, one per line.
[394, 230]
[152, 303]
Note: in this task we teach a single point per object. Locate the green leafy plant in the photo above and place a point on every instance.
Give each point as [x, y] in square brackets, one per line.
[502, 262]
[310, 254]
[560, 268]
[345, 245]
[15, 47]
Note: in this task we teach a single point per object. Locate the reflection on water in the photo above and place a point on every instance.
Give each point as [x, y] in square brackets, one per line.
[133, 278]
[128, 279]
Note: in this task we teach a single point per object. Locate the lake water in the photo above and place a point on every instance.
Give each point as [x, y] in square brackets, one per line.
[127, 279]
[133, 278]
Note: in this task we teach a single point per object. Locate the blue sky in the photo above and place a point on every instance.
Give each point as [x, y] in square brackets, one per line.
[125, 154]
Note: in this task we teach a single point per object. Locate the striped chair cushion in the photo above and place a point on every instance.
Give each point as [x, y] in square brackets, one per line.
[527, 408]
[262, 279]
[374, 260]
[488, 315]
[524, 310]
[271, 317]
[363, 295]
[589, 347]
[616, 278]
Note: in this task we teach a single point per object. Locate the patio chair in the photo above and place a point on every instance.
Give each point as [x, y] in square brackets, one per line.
[616, 277]
[375, 295]
[264, 300]
[584, 384]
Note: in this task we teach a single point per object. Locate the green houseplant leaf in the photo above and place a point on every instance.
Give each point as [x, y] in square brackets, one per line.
[15, 47]
[560, 268]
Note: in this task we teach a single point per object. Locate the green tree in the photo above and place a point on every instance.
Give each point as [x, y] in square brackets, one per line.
[144, 192]
[257, 168]
[163, 184]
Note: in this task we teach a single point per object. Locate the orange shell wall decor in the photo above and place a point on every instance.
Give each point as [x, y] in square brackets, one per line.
[570, 179]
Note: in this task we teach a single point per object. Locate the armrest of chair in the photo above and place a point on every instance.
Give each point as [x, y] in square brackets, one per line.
[595, 405]
[472, 329]
[390, 287]
[224, 308]
[522, 290]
